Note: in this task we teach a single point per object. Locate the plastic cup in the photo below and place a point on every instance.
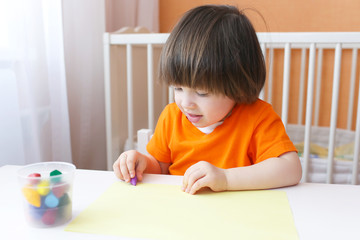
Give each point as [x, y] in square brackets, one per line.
[46, 190]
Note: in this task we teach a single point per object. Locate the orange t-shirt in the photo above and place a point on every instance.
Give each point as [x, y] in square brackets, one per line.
[251, 134]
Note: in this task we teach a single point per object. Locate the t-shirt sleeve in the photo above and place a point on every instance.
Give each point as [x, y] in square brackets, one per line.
[158, 145]
[269, 137]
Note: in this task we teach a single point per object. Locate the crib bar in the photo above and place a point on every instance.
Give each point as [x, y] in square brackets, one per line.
[302, 85]
[107, 89]
[355, 168]
[171, 94]
[334, 110]
[286, 84]
[150, 77]
[139, 38]
[352, 87]
[271, 72]
[318, 86]
[130, 104]
[309, 37]
[164, 95]
[263, 49]
[262, 94]
[309, 108]
[300, 40]
[143, 136]
[301, 45]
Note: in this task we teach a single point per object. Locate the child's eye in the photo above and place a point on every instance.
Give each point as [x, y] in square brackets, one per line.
[177, 88]
[202, 94]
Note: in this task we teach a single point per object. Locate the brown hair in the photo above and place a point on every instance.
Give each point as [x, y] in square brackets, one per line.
[215, 48]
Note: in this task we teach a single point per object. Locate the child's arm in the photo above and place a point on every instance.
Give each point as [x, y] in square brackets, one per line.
[282, 171]
[131, 163]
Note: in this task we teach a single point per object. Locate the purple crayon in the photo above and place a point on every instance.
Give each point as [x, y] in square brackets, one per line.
[133, 180]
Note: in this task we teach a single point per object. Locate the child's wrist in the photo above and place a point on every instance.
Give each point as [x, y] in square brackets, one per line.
[152, 165]
[227, 179]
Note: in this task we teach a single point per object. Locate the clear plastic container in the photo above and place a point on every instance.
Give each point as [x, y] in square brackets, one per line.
[46, 188]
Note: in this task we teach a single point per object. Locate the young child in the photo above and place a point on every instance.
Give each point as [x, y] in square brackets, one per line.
[218, 134]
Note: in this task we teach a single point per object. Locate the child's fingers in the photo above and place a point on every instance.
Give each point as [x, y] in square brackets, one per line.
[140, 168]
[130, 167]
[200, 183]
[124, 167]
[116, 168]
[130, 164]
[191, 177]
[186, 178]
[189, 173]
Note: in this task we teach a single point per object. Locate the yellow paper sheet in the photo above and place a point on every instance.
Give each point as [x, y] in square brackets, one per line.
[156, 211]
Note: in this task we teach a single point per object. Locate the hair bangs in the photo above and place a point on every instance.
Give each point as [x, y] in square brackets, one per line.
[188, 65]
[215, 49]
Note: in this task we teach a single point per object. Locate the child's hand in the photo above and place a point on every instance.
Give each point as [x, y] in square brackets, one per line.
[204, 174]
[129, 164]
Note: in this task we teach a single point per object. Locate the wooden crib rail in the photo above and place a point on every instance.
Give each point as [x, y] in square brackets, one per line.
[313, 49]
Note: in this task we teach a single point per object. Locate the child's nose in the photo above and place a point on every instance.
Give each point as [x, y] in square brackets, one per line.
[188, 103]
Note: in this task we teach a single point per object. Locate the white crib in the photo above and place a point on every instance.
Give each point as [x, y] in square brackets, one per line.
[298, 86]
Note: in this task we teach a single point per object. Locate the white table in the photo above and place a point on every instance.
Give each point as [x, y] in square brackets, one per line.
[321, 211]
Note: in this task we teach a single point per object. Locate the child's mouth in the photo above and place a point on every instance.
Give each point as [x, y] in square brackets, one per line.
[193, 117]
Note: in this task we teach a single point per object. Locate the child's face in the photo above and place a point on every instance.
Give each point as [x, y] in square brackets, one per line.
[202, 109]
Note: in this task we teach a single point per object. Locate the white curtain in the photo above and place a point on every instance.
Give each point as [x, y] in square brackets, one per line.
[34, 117]
[84, 26]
